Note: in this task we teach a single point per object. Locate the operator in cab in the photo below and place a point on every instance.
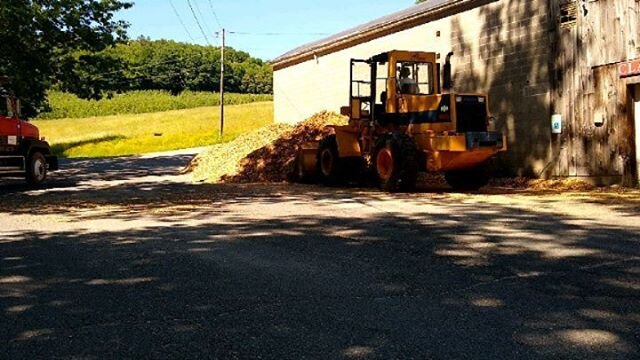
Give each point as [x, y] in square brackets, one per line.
[406, 83]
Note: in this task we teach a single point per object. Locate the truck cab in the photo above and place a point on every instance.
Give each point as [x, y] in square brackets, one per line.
[22, 152]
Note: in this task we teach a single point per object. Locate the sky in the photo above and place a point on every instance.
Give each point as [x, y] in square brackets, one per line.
[263, 28]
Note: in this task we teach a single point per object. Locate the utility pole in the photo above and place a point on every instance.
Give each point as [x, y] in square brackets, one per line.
[222, 86]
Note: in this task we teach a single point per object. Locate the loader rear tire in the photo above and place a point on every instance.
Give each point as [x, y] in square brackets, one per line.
[330, 170]
[395, 162]
[468, 180]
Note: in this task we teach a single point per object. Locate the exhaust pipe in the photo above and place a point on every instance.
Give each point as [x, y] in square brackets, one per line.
[447, 83]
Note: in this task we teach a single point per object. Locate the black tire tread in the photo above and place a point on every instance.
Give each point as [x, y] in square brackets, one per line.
[405, 174]
[337, 174]
[29, 175]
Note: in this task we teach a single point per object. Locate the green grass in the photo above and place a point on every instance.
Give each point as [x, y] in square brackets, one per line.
[143, 133]
[66, 105]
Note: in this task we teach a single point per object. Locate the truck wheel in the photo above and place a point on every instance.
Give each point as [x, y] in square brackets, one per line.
[468, 180]
[395, 162]
[36, 169]
[330, 169]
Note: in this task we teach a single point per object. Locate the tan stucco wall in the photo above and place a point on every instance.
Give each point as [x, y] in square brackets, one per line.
[323, 84]
[501, 48]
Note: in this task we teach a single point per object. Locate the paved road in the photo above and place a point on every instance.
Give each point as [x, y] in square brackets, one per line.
[124, 258]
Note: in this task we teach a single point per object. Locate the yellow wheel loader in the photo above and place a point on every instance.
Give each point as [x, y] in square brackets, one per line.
[403, 120]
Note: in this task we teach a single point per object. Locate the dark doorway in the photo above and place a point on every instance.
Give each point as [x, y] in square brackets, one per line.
[635, 113]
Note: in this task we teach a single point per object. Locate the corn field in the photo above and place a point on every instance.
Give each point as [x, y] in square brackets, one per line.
[64, 105]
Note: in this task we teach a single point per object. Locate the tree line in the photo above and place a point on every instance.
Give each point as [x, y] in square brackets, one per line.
[79, 46]
[143, 64]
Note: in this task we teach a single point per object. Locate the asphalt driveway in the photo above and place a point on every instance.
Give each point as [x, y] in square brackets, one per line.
[125, 258]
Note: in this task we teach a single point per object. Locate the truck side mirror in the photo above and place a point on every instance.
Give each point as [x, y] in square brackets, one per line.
[18, 109]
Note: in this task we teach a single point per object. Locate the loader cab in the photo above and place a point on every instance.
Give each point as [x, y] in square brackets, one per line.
[410, 83]
[401, 88]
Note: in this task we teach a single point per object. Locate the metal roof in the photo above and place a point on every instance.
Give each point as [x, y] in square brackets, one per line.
[365, 31]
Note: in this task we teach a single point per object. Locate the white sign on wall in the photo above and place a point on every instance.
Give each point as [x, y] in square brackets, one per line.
[556, 124]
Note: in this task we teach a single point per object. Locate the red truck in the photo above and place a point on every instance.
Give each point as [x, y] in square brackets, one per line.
[22, 151]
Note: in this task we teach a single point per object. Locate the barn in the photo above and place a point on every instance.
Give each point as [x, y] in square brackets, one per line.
[573, 61]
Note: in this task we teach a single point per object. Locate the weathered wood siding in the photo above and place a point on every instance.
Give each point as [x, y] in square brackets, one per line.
[598, 137]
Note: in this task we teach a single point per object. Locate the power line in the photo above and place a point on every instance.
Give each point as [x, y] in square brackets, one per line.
[204, 22]
[275, 33]
[198, 22]
[175, 11]
[215, 16]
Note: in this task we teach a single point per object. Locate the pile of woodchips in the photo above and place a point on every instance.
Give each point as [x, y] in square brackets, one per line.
[552, 185]
[265, 155]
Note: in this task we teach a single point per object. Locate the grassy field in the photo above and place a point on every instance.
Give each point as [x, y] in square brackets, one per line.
[144, 133]
[138, 102]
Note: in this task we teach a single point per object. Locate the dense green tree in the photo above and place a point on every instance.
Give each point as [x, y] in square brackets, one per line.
[143, 64]
[83, 74]
[37, 36]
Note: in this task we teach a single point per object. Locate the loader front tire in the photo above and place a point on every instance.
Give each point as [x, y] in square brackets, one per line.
[395, 162]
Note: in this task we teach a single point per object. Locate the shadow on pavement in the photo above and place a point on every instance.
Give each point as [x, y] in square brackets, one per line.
[278, 271]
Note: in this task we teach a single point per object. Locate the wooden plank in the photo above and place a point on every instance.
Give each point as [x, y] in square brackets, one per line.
[625, 139]
[615, 28]
[571, 70]
[613, 145]
[555, 104]
[593, 92]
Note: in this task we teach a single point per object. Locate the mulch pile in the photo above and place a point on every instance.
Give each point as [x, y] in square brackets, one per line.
[560, 185]
[223, 159]
[265, 155]
[430, 180]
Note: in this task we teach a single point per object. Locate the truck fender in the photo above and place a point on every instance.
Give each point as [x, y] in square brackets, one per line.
[27, 146]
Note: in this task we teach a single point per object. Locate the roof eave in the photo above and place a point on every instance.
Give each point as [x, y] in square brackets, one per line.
[377, 32]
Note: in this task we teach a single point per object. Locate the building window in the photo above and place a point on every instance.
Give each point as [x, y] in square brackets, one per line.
[568, 13]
